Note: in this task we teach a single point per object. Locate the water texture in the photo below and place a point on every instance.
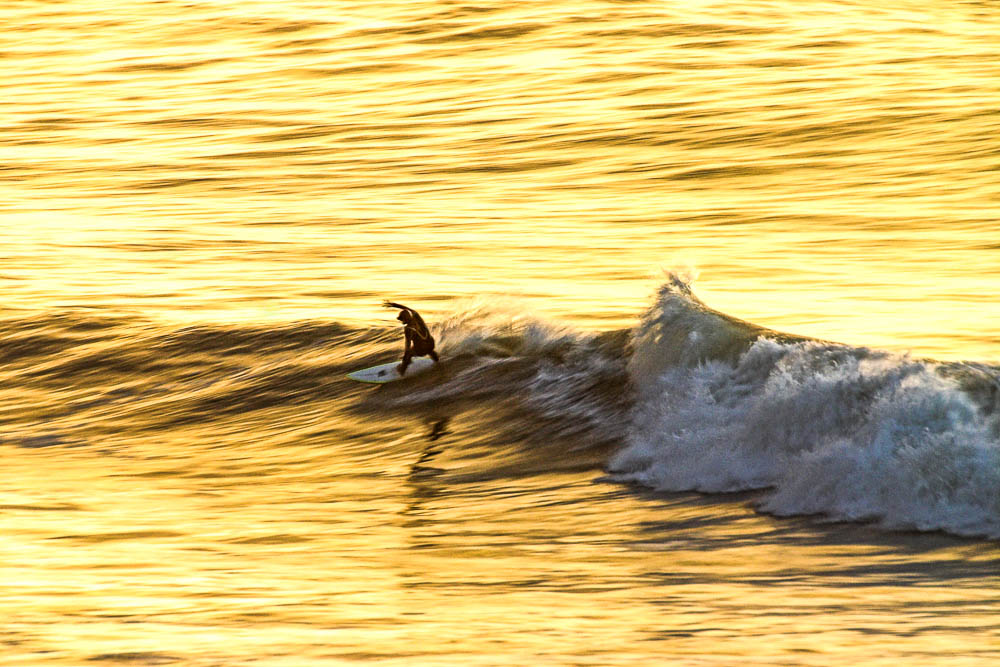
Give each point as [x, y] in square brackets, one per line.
[714, 286]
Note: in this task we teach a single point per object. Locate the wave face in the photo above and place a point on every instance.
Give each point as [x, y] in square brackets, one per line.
[535, 380]
[81, 380]
[848, 433]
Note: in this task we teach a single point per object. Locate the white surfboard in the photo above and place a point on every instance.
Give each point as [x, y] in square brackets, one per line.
[389, 373]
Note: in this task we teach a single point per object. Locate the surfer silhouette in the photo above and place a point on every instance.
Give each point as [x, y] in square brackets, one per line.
[419, 341]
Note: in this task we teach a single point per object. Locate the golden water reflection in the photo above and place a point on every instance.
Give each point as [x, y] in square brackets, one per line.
[828, 169]
[405, 550]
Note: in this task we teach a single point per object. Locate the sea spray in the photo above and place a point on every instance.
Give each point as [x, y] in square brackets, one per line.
[848, 433]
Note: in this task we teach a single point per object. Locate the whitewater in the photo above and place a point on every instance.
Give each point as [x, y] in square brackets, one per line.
[843, 432]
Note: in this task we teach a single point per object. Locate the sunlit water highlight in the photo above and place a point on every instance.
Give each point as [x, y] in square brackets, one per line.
[204, 203]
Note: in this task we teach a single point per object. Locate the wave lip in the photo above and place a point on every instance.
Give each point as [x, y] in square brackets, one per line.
[846, 433]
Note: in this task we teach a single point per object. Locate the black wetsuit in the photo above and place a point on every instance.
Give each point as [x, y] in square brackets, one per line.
[419, 341]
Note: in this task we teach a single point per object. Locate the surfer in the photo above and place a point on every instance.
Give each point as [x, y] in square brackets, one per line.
[419, 341]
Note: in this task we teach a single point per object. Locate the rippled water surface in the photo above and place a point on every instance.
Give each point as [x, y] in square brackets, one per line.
[796, 461]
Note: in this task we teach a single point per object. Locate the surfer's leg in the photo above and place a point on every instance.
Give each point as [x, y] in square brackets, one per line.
[433, 355]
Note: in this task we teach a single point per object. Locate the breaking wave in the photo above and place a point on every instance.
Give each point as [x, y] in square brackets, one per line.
[852, 434]
[690, 400]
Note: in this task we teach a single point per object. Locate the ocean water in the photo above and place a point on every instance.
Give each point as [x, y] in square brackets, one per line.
[714, 286]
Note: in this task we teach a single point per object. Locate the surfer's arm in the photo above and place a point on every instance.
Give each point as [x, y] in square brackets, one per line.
[393, 304]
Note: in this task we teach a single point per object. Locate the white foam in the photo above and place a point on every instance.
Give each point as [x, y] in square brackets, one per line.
[847, 433]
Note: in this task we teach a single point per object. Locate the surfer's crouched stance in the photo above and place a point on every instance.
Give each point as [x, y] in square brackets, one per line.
[419, 341]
